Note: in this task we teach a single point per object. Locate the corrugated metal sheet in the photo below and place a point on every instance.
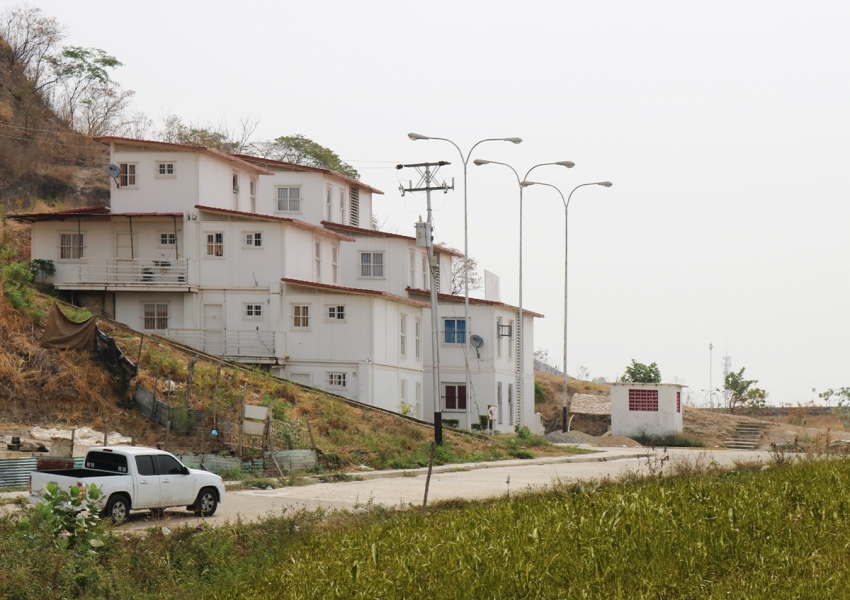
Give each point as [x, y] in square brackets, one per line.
[15, 472]
[292, 461]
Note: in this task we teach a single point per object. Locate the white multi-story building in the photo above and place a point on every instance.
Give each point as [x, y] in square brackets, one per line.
[271, 263]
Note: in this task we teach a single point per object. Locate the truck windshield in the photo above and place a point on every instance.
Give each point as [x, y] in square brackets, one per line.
[106, 461]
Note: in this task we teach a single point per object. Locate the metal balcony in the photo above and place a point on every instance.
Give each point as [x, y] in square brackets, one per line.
[133, 271]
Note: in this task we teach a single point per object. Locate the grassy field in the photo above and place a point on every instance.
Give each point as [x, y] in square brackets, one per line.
[777, 533]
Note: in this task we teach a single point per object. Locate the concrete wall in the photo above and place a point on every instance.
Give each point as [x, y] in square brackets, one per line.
[667, 420]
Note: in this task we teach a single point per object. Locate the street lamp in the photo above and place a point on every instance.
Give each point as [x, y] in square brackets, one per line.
[520, 329]
[465, 160]
[566, 237]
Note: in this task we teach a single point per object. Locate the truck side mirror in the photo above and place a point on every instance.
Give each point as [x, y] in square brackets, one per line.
[185, 470]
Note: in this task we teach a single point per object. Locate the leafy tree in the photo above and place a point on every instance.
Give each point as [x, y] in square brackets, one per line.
[301, 150]
[45, 267]
[87, 98]
[742, 392]
[641, 373]
[841, 396]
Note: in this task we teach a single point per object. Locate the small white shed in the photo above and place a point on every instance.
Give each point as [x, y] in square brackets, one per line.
[646, 409]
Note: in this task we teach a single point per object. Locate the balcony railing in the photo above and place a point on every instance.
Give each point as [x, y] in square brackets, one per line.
[226, 342]
[143, 271]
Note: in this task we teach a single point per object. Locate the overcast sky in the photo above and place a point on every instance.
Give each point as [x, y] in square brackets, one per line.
[723, 125]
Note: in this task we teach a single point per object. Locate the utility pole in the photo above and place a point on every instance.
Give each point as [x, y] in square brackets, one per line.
[425, 237]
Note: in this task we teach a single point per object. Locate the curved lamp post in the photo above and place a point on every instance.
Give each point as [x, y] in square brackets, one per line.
[566, 237]
[465, 160]
[520, 329]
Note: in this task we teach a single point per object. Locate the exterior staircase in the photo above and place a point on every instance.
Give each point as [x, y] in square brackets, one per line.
[746, 436]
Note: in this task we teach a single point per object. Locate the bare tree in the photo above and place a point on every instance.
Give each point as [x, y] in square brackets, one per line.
[457, 275]
[219, 136]
[32, 37]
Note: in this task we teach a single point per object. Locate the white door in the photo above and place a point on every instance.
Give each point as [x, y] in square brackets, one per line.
[213, 341]
[147, 491]
[175, 488]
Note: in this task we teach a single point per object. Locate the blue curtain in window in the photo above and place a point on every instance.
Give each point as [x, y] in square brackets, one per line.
[450, 331]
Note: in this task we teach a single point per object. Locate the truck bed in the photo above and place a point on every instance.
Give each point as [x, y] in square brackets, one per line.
[81, 473]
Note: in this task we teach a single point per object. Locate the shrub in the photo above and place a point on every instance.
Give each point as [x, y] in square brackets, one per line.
[672, 441]
[539, 393]
[69, 517]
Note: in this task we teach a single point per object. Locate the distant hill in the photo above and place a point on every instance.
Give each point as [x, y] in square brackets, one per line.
[41, 159]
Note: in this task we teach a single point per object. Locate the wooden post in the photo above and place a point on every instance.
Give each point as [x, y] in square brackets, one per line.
[428, 479]
[141, 343]
[242, 415]
[215, 392]
[310, 431]
[192, 362]
[167, 434]
[133, 440]
[279, 470]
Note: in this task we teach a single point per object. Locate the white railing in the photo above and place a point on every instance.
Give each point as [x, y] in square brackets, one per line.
[134, 271]
[226, 342]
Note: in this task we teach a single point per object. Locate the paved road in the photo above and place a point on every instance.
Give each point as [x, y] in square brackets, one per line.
[406, 488]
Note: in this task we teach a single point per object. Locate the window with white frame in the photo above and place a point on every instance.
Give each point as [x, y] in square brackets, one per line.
[411, 270]
[335, 264]
[499, 408]
[454, 397]
[418, 394]
[510, 404]
[371, 264]
[252, 188]
[288, 199]
[418, 343]
[155, 315]
[128, 175]
[253, 239]
[342, 206]
[499, 337]
[215, 244]
[301, 315]
[402, 390]
[329, 203]
[402, 331]
[454, 331]
[254, 311]
[71, 245]
[336, 312]
[336, 379]
[235, 183]
[317, 257]
[165, 169]
[167, 239]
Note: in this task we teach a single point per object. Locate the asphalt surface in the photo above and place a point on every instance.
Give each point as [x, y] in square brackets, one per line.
[406, 488]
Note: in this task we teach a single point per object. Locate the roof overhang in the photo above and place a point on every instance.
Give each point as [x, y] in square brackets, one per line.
[359, 231]
[295, 167]
[480, 301]
[357, 291]
[153, 144]
[294, 222]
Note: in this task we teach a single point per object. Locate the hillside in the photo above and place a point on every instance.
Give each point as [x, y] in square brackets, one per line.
[40, 157]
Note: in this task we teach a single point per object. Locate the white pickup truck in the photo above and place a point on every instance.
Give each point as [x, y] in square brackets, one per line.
[132, 478]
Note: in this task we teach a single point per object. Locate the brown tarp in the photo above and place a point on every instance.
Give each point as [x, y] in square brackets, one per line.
[62, 333]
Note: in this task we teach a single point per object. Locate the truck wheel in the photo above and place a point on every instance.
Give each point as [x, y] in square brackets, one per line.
[117, 508]
[206, 503]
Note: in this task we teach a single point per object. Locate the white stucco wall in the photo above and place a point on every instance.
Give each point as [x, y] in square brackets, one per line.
[667, 420]
[493, 367]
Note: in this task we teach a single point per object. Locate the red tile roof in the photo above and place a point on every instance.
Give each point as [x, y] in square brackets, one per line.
[376, 233]
[295, 222]
[93, 211]
[295, 167]
[339, 288]
[452, 298]
[108, 139]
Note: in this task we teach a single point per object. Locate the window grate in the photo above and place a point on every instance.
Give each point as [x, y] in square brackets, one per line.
[643, 400]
